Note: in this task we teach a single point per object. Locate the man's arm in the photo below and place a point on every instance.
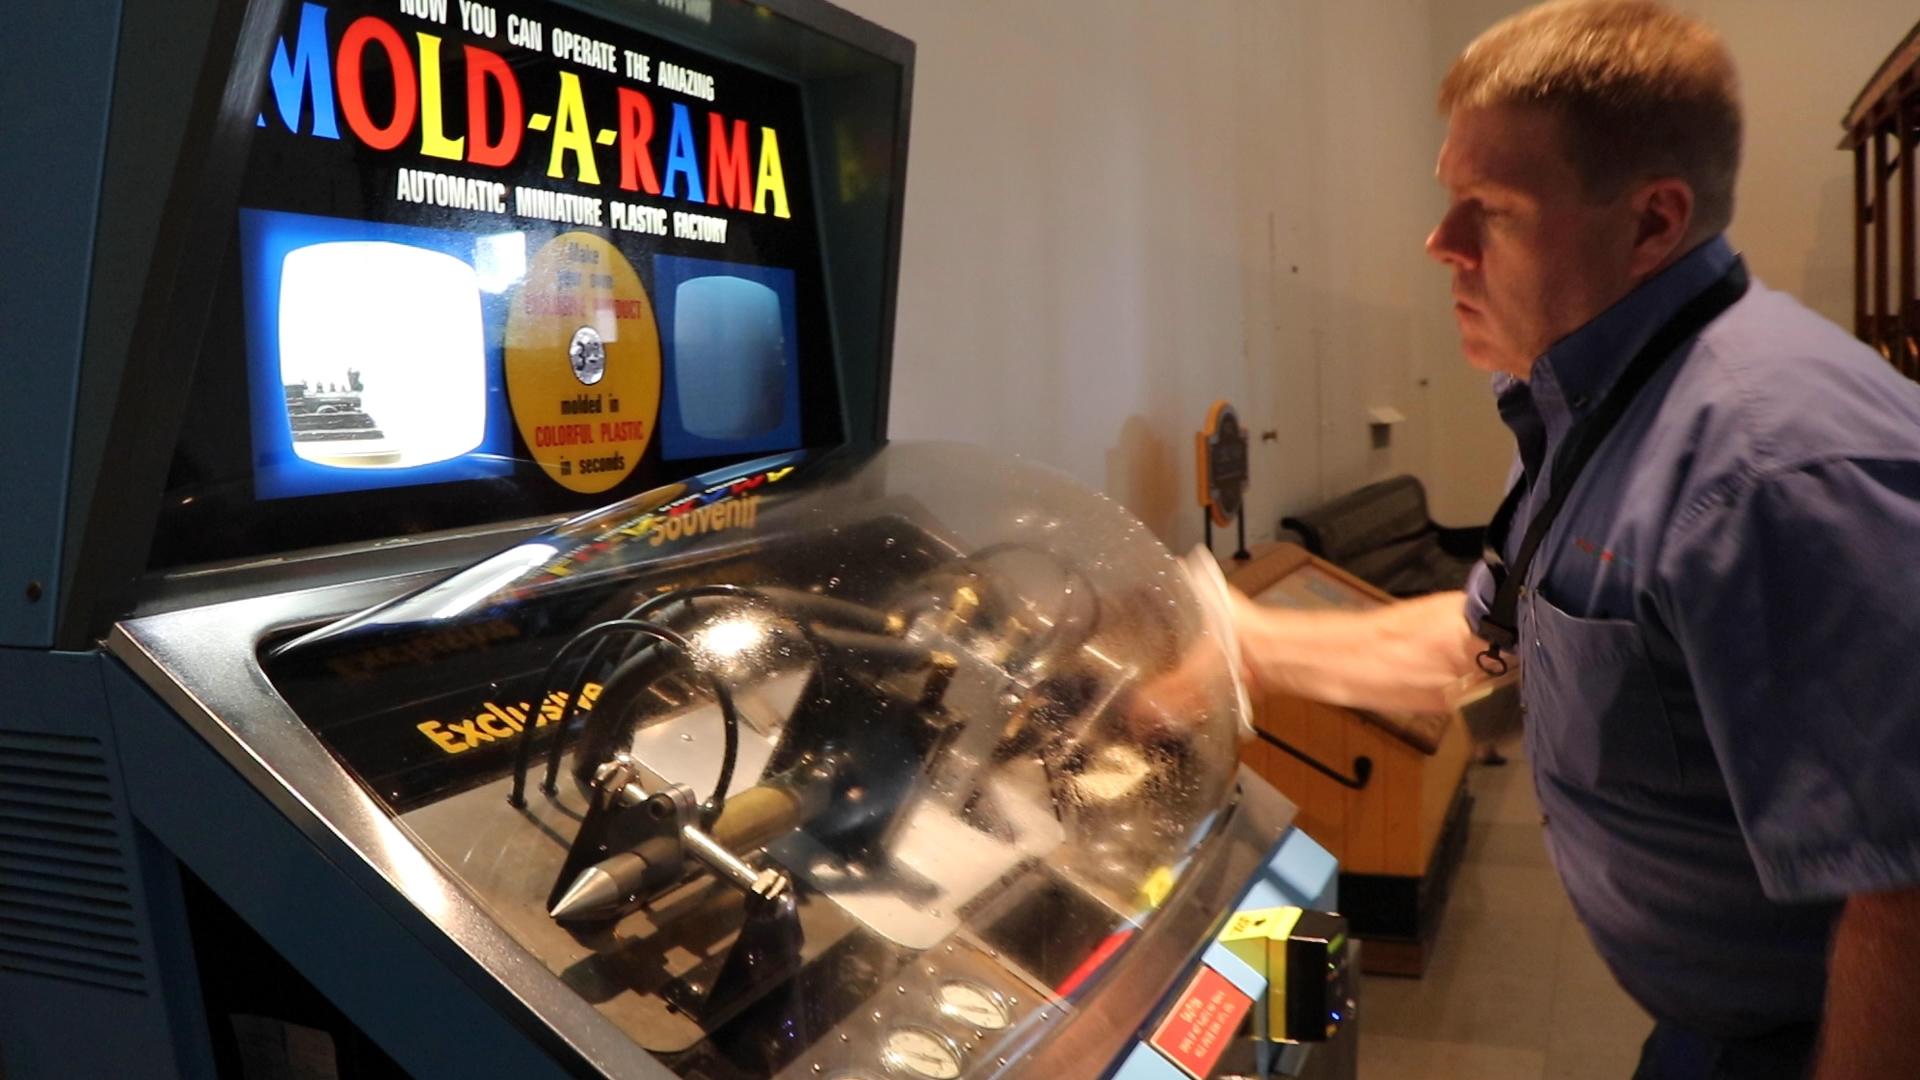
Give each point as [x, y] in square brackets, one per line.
[1403, 657]
[1872, 1024]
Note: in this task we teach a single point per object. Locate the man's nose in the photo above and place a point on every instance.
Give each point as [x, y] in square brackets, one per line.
[1452, 243]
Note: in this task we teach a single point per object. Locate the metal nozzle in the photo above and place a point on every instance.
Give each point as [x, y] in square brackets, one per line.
[607, 886]
[593, 891]
[610, 886]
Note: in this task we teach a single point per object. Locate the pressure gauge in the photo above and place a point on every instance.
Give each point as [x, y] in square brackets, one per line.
[922, 1052]
[972, 1004]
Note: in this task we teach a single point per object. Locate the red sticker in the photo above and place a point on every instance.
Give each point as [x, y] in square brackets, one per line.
[1201, 1023]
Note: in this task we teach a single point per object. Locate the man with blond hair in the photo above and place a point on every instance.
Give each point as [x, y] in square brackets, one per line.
[1704, 569]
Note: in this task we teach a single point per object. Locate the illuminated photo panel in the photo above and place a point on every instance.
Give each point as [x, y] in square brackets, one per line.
[403, 380]
[369, 364]
[733, 380]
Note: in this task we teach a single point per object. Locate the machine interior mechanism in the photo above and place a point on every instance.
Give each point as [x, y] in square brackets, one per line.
[840, 762]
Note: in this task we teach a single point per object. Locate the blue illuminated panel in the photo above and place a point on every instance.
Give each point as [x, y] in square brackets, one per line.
[733, 373]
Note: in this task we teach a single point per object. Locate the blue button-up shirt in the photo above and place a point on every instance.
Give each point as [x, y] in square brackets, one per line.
[1720, 642]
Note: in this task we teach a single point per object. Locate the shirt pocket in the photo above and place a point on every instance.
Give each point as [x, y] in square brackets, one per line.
[1595, 715]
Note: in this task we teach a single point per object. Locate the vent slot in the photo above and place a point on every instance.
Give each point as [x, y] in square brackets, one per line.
[66, 894]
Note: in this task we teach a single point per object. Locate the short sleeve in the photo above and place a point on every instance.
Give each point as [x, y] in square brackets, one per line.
[1796, 602]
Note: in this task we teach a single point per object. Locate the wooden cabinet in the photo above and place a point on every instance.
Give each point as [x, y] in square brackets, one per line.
[1399, 837]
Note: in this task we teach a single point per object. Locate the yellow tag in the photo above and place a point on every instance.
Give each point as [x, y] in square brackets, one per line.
[1259, 938]
[1153, 891]
[583, 362]
[1260, 923]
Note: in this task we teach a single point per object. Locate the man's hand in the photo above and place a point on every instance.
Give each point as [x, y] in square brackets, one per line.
[1176, 702]
[1872, 1025]
[1407, 656]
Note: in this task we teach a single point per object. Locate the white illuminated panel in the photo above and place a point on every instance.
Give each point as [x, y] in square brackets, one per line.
[383, 354]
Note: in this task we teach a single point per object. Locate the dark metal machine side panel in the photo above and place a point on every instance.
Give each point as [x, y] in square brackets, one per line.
[866, 420]
[253, 803]
[96, 973]
[51, 152]
[185, 84]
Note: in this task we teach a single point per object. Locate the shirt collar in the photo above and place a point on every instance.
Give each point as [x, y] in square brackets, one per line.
[1575, 372]
[1585, 363]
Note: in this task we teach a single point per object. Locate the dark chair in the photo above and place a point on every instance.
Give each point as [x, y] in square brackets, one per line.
[1382, 535]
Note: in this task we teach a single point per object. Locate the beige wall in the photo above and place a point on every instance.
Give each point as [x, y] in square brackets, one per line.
[1120, 210]
[1802, 64]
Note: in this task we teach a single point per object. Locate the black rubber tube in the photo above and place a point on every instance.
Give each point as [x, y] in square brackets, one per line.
[599, 635]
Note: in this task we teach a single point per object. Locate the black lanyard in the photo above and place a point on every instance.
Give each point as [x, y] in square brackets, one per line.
[1498, 627]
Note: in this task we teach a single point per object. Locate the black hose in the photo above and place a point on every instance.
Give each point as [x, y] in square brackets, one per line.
[547, 679]
[602, 637]
[600, 634]
[554, 751]
[558, 746]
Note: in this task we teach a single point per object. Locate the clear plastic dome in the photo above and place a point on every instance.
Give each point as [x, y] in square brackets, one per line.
[928, 694]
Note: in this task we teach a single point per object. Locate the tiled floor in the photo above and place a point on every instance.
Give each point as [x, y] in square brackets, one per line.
[1514, 991]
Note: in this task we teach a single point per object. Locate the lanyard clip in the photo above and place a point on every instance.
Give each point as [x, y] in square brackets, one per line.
[1500, 640]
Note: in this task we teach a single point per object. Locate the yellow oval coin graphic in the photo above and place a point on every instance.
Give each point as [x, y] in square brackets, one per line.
[583, 362]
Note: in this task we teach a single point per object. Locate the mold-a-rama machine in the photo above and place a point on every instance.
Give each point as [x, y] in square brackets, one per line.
[459, 614]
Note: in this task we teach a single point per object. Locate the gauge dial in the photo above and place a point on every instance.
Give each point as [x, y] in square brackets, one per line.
[973, 1005]
[921, 1052]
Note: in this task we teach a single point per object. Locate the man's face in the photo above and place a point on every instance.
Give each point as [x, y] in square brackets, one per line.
[1533, 257]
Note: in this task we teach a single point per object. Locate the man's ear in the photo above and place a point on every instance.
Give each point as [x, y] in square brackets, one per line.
[1663, 216]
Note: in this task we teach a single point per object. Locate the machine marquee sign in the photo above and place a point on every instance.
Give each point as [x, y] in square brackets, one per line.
[638, 124]
[480, 242]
